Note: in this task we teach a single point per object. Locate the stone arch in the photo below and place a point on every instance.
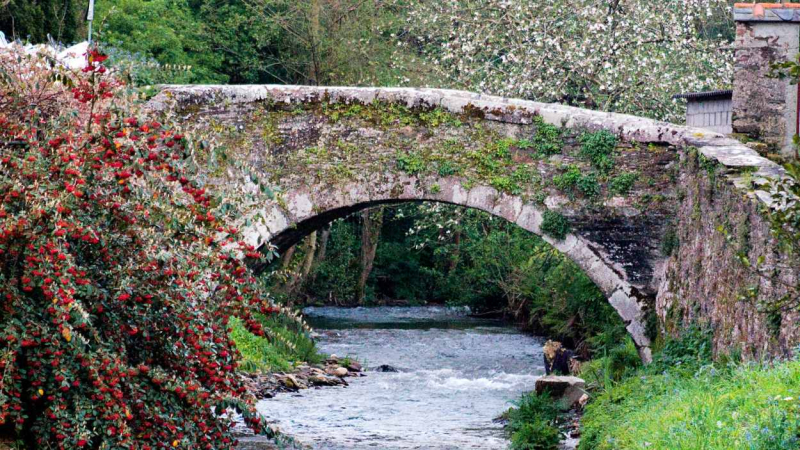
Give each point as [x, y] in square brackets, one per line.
[327, 151]
[308, 209]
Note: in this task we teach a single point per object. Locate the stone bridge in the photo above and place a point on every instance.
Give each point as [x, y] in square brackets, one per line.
[658, 215]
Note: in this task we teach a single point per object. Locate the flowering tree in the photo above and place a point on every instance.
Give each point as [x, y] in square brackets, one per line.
[618, 55]
[117, 273]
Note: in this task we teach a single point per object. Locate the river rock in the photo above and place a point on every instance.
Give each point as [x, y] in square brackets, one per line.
[322, 380]
[567, 389]
[354, 366]
[385, 368]
[340, 372]
[291, 382]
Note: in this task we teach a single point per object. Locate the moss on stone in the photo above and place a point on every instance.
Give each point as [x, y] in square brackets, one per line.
[555, 225]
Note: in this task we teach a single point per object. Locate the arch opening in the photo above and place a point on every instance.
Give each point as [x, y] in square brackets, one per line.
[626, 300]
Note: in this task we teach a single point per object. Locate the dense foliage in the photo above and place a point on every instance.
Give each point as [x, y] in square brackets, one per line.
[117, 272]
[282, 352]
[36, 20]
[169, 32]
[254, 41]
[684, 400]
[628, 56]
[532, 423]
[447, 254]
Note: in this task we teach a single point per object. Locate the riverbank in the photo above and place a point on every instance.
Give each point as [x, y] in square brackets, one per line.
[715, 407]
[331, 372]
[684, 400]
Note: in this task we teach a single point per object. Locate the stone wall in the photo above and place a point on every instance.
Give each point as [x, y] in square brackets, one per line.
[764, 107]
[706, 281]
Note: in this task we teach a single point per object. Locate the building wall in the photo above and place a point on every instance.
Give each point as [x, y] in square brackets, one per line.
[765, 108]
[714, 115]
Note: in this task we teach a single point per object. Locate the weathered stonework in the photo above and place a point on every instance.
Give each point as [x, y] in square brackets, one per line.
[329, 152]
[765, 108]
[705, 281]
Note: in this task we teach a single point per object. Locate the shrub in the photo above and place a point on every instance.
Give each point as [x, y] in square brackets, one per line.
[411, 163]
[447, 168]
[573, 178]
[532, 424]
[617, 363]
[537, 435]
[622, 184]
[598, 147]
[116, 292]
[567, 180]
[505, 184]
[589, 186]
[555, 224]
[547, 138]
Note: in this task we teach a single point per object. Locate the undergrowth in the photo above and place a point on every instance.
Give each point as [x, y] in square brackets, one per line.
[282, 352]
[686, 401]
[532, 424]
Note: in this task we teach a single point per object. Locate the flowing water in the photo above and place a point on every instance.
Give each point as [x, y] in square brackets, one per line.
[456, 374]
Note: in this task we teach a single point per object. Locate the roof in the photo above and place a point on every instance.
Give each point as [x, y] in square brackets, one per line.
[766, 12]
[707, 95]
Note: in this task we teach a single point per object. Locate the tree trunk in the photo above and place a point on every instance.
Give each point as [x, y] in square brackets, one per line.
[297, 278]
[370, 234]
[322, 248]
[314, 28]
[311, 249]
[286, 258]
[456, 252]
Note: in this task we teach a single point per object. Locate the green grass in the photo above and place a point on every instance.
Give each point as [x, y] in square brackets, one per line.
[283, 351]
[753, 407]
[684, 402]
[532, 423]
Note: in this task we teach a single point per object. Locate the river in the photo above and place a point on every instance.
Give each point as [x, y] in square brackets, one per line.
[456, 374]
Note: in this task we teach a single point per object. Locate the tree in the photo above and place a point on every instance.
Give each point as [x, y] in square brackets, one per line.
[328, 42]
[36, 20]
[627, 56]
[371, 222]
[169, 31]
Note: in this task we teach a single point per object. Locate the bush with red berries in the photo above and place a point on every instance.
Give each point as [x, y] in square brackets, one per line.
[117, 274]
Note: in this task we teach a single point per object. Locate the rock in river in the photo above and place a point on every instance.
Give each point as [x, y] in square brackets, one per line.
[565, 388]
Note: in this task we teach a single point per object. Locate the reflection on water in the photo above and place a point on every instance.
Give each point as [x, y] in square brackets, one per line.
[455, 375]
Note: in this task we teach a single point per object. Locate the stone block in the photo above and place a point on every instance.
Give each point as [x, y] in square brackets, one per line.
[566, 389]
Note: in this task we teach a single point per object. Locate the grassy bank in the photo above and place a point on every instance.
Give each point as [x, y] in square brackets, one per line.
[682, 401]
[533, 423]
[752, 406]
[286, 348]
